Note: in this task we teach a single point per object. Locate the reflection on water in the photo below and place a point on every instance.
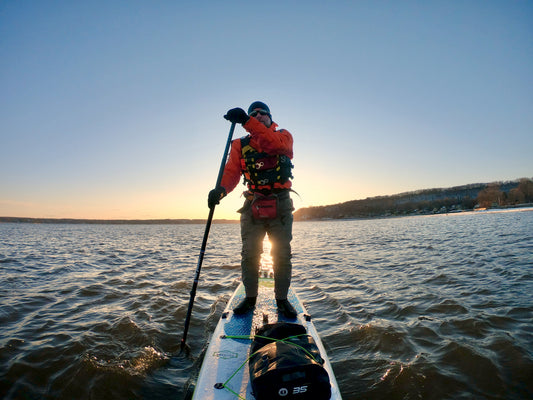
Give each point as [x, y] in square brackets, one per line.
[424, 307]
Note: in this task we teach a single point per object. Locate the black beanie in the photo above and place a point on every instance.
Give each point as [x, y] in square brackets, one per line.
[261, 105]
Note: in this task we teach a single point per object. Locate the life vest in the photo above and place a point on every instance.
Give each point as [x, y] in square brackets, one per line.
[263, 171]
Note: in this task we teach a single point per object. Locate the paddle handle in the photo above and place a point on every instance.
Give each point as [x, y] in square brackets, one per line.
[224, 158]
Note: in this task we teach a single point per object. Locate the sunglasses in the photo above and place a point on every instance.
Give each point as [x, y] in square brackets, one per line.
[255, 112]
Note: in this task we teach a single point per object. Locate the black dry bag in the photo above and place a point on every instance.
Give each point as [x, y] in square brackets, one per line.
[287, 369]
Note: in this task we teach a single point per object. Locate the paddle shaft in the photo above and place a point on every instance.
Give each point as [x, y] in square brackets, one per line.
[204, 241]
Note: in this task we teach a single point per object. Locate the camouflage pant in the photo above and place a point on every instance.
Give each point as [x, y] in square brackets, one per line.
[279, 232]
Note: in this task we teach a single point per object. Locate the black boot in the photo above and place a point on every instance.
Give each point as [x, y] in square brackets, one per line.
[285, 308]
[244, 306]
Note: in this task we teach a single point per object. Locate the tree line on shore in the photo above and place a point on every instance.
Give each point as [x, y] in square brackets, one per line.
[428, 201]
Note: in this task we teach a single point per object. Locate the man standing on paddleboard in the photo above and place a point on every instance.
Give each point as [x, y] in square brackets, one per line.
[263, 157]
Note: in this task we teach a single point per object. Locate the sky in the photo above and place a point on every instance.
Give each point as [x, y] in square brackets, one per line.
[114, 109]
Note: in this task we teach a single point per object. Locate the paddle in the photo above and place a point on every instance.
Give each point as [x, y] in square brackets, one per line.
[204, 242]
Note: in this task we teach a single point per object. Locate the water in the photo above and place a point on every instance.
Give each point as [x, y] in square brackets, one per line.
[409, 308]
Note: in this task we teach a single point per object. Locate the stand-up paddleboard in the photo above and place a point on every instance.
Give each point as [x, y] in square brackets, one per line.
[225, 373]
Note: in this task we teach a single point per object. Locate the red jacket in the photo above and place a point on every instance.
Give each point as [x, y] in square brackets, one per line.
[263, 139]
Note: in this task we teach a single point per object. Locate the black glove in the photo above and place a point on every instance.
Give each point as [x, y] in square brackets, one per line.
[237, 116]
[215, 196]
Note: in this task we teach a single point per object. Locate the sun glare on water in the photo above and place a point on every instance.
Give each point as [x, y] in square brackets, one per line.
[266, 258]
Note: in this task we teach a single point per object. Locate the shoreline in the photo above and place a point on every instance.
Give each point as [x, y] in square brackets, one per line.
[184, 221]
[521, 208]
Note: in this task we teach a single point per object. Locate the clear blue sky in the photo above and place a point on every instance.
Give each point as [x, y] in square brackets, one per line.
[113, 109]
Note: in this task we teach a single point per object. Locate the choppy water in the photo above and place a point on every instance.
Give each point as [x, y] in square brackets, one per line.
[408, 308]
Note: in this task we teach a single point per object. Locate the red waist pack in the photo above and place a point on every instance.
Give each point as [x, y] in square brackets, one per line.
[265, 207]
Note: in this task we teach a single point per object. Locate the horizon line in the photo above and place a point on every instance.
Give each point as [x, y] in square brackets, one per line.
[154, 221]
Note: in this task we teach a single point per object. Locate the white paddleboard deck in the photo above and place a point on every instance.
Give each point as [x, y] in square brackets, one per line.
[225, 360]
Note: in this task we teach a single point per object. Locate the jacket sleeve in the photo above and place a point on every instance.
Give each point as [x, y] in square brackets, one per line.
[270, 140]
[232, 170]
